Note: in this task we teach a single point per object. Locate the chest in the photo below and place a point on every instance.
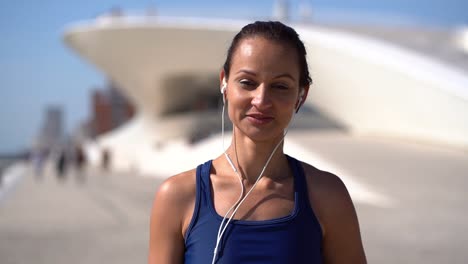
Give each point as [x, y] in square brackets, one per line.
[266, 201]
[287, 240]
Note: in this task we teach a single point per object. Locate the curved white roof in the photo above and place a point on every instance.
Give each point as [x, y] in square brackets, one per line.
[370, 86]
[157, 62]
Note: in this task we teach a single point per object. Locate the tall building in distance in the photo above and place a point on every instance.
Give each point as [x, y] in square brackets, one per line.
[51, 132]
[109, 110]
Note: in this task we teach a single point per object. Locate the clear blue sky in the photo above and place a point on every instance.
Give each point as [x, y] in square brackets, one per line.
[37, 69]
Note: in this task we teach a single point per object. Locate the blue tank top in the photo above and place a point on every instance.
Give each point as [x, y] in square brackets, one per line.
[296, 238]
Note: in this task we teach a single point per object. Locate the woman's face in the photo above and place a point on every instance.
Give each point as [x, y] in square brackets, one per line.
[263, 88]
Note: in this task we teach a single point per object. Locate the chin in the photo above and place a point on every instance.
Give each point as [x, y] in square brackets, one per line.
[263, 135]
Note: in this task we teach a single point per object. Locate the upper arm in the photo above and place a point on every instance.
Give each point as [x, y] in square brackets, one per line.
[168, 215]
[332, 203]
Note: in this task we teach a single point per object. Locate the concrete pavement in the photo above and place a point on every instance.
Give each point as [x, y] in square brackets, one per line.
[105, 218]
[427, 219]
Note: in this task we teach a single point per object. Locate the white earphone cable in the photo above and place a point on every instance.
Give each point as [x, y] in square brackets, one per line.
[215, 253]
[223, 226]
[238, 204]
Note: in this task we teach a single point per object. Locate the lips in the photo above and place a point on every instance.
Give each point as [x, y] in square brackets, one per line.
[259, 118]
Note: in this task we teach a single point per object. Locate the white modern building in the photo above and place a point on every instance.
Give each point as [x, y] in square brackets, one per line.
[168, 68]
[387, 113]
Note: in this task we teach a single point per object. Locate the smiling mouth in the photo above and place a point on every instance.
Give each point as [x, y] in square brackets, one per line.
[259, 119]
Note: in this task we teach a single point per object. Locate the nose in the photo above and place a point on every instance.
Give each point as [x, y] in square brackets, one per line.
[261, 97]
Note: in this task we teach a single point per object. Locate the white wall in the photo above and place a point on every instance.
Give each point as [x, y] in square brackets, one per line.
[377, 88]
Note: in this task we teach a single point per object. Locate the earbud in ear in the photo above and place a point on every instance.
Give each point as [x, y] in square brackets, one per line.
[223, 90]
[223, 86]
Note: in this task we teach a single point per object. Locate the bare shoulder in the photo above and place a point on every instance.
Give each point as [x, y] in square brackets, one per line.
[335, 211]
[323, 183]
[172, 209]
[179, 185]
[178, 190]
[175, 199]
[328, 197]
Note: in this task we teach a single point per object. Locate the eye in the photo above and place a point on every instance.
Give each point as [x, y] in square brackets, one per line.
[281, 86]
[246, 83]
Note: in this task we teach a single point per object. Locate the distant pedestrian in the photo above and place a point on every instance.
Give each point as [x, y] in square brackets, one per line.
[106, 159]
[80, 163]
[61, 165]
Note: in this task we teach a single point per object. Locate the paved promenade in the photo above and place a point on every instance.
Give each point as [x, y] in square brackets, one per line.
[426, 218]
[102, 218]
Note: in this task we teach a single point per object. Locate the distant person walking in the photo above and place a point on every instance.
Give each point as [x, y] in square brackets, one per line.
[106, 159]
[80, 163]
[61, 165]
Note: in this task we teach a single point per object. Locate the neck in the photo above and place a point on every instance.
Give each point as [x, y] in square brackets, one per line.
[250, 158]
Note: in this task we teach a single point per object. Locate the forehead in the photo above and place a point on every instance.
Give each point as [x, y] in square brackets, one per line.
[263, 52]
[249, 44]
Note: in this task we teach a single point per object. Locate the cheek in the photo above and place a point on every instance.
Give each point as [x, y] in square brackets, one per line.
[237, 99]
[286, 102]
[232, 106]
[287, 106]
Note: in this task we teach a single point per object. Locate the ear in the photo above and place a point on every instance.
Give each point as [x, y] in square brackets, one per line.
[223, 88]
[302, 97]
[222, 81]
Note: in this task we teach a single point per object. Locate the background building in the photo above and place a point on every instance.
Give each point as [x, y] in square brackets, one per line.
[109, 110]
[51, 132]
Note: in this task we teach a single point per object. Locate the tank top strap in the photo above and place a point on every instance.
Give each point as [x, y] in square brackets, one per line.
[203, 173]
[202, 183]
[300, 183]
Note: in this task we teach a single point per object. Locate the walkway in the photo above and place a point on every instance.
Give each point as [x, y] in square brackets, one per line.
[103, 219]
[426, 218]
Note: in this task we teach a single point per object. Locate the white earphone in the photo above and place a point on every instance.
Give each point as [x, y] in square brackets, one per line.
[223, 90]
[232, 211]
[223, 86]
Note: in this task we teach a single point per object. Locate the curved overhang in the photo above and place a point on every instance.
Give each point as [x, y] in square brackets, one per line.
[160, 64]
[370, 86]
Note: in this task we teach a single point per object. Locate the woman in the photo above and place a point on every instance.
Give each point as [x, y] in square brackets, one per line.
[276, 209]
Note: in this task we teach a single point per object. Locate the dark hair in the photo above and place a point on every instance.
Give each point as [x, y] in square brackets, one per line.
[276, 31]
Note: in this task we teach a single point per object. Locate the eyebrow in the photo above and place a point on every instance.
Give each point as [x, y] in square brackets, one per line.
[286, 75]
[246, 71]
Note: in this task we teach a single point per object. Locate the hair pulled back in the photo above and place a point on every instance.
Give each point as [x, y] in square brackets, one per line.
[275, 31]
